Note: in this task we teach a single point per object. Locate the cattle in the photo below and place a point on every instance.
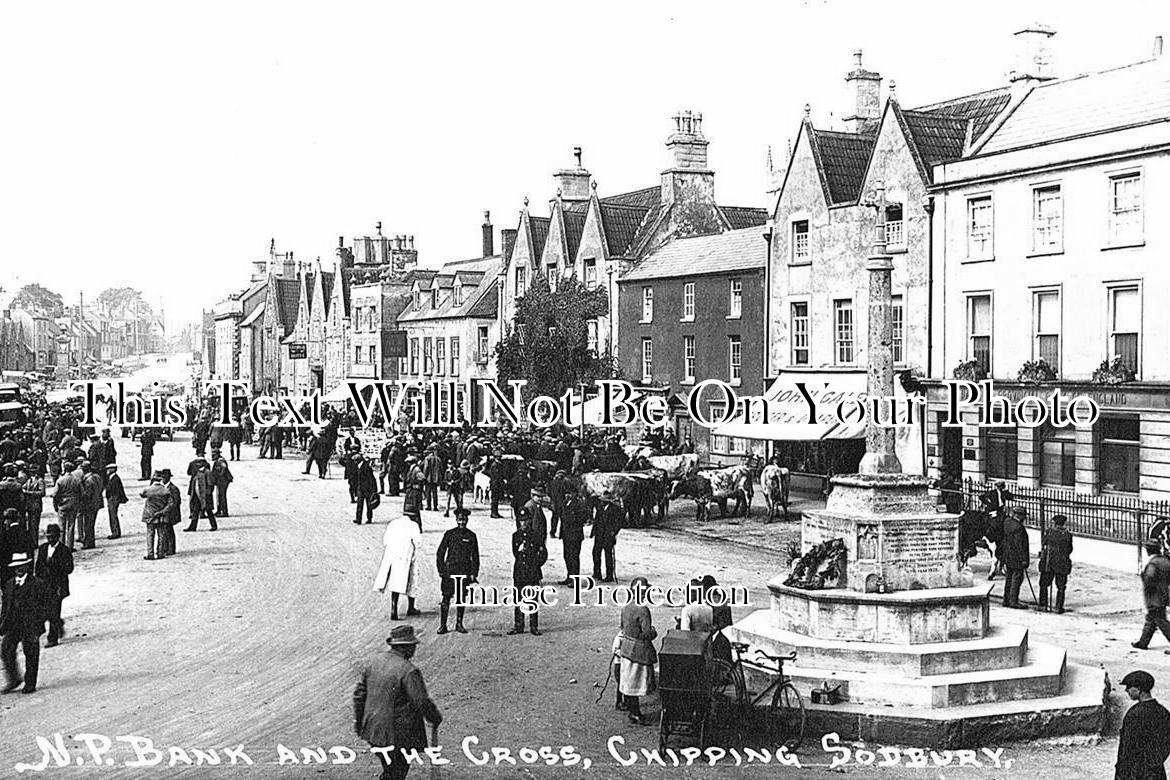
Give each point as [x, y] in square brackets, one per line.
[731, 482]
[697, 487]
[636, 492]
[675, 466]
[979, 529]
[774, 482]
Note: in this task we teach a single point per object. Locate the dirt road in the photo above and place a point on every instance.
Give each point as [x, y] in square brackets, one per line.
[253, 636]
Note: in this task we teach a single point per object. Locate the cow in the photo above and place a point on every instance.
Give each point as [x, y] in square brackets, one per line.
[672, 467]
[774, 483]
[979, 529]
[697, 487]
[731, 482]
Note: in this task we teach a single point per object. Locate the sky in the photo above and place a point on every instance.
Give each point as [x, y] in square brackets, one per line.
[162, 145]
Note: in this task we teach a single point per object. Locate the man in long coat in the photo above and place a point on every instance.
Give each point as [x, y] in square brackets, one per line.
[364, 487]
[1015, 556]
[174, 508]
[53, 566]
[67, 502]
[574, 513]
[199, 491]
[529, 555]
[146, 443]
[390, 704]
[397, 570]
[221, 478]
[433, 472]
[91, 504]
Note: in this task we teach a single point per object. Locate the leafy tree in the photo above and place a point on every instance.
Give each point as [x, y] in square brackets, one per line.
[121, 299]
[34, 297]
[548, 345]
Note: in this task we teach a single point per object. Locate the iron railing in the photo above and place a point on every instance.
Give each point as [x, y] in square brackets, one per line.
[1109, 516]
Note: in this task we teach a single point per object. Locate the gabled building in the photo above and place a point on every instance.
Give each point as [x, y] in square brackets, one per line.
[825, 217]
[596, 239]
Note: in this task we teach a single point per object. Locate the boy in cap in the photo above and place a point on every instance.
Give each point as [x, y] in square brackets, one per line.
[22, 621]
[1145, 732]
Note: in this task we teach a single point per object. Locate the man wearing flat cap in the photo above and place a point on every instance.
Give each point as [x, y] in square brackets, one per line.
[22, 621]
[390, 704]
[1015, 556]
[1145, 732]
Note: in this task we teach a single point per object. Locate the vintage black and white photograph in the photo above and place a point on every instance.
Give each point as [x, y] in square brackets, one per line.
[468, 390]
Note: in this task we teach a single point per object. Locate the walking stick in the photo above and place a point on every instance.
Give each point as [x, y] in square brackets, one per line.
[436, 770]
[1028, 577]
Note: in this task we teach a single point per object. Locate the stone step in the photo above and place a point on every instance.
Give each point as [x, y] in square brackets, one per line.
[1080, 708]
[1041, 675]
[1004, 647]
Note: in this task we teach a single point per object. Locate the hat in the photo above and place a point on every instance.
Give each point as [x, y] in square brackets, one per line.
[52, 528]
[404, 635]
[1143, 681]
[22, 559]
[111, 466]
[164, 473]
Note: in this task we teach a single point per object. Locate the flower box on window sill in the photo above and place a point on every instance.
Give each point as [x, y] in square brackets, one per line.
[1128, 245]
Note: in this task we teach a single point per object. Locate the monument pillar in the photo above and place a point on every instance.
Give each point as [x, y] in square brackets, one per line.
[880, 457]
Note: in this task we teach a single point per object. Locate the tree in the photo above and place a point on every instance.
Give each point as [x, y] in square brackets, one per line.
[548, 345]
[34, 297]
[121, 299]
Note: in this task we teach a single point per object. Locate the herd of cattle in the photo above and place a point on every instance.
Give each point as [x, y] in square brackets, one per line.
[648, 483]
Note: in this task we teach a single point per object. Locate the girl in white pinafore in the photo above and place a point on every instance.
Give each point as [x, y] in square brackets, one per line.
[398, 570]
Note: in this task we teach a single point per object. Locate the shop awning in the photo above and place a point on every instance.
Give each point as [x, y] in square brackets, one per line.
[788, 411]
[340, 394]
[592, 410]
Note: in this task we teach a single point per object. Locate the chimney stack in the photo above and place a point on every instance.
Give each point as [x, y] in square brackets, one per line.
[1157, 45]
[573, 183]
[488, 241]
[507, 242]
[689, 181]
[867, 89]
[1033, 58]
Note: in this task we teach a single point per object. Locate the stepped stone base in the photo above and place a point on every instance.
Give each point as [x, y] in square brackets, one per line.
[903, 617]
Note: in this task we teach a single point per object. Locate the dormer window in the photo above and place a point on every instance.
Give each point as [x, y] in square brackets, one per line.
[458, 294]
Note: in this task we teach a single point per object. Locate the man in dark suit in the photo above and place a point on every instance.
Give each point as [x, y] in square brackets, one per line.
[53, 566]
[1055, 562]
[433, 472]
[91, 504]
[221, 478]
[1015, 556]
[22, 621]
[390, 704]
[175, 506]
[573, 516]
[530, 554]
[115, 497]
[146, 442]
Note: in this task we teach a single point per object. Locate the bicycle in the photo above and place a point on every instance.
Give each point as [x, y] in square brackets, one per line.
[730, 704]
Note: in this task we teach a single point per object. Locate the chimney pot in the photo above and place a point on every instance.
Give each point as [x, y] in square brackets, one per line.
[488, 240]
[340, 242]
[1157, 45]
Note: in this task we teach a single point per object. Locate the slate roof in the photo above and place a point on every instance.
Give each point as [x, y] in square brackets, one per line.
[537, 235]
[842, 159]
[735, 250]
[1127, 96]
[485, 282]
[981, 108]
[620, 224]
[488, 304]
[574, 225]
[288, 300]
[740, 217]
[646, 198]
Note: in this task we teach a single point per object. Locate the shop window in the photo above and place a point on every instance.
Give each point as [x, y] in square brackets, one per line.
[1058, 456]
[1000, 453]
[1119, 459]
